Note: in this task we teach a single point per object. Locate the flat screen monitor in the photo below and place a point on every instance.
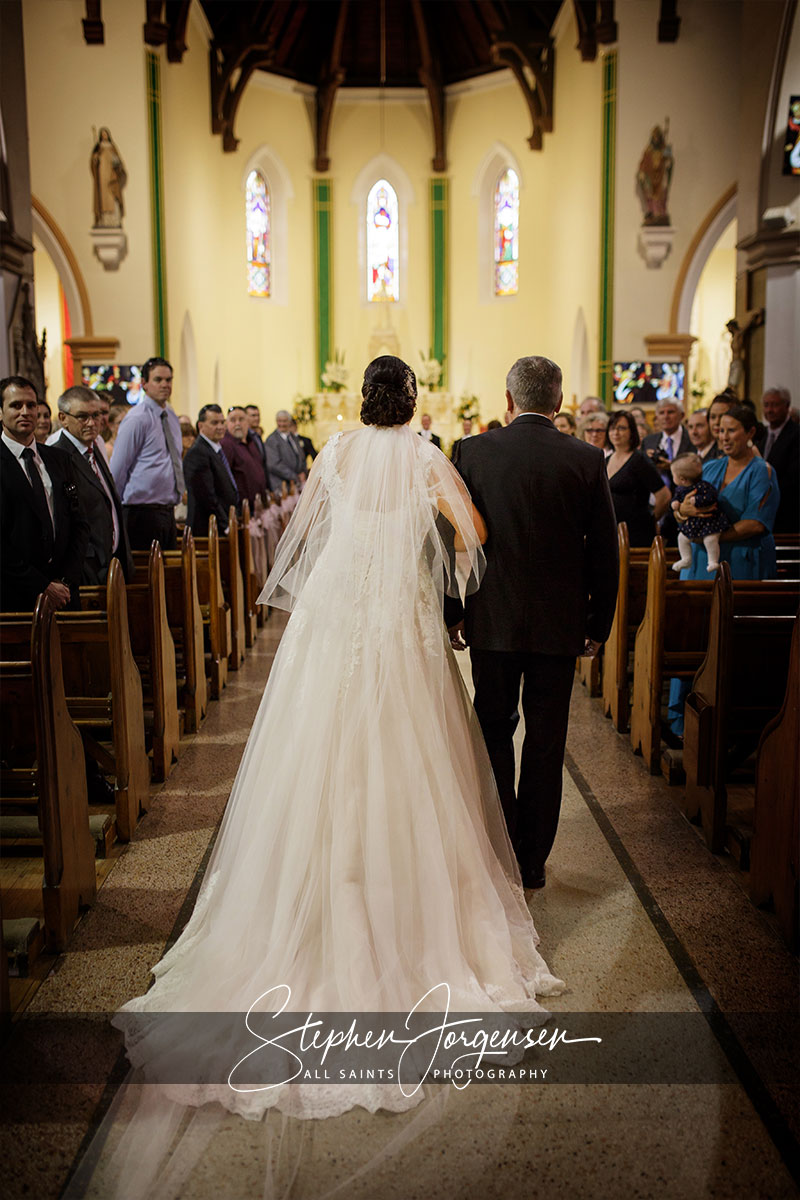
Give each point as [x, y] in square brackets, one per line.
[123, 382]
[638, 382]
[791, 146]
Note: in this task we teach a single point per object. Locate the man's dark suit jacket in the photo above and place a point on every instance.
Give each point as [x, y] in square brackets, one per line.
[437, 441]
[551, 554]
[653, 442]
[209, 488]
[27, 566]
[785, 458]
[97, 511]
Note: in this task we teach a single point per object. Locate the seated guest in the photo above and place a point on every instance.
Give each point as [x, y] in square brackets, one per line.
[243, 457]
[79, 420]
[700, 435]
[210, 483]
[632, 479]
[306, 445]
[44, 421]
[591, 404]
[187, 435]
[781, 449]
[593, 428]
[721, 404]
[147, 462]
[466, 432]
[285, 459]
[427, 433]
[43, 532]
[117, 412]
[565, 423]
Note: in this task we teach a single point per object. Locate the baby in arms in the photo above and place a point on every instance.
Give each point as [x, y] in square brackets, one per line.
[687, 471]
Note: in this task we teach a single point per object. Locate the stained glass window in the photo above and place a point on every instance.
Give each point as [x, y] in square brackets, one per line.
[258, 235]
[382, 243]
[506, 234]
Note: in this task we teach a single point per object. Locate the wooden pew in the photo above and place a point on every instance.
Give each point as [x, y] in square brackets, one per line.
[154, 652]
[251, 588]
[775, 849]
[590, 672]
[628, 616]
[44, 775]
[233, 589]
[737, 690]
[185, 620]
[215, 612]
[670, 643]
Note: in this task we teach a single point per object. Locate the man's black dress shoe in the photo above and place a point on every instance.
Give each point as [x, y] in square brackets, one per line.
[532, 880]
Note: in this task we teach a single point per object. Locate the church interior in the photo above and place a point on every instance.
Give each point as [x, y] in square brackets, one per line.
[268, 196]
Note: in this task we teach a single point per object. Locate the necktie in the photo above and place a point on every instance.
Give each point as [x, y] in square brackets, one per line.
[227, 466]
[39, 495]
[771, 439]
[669, 448]
[89, 452]
[177, 466]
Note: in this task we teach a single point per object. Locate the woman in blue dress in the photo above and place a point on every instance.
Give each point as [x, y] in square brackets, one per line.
[747, 491]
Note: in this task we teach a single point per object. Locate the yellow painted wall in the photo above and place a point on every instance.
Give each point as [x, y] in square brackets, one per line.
[714, 305]
[695, 82]
[48, 318]
[72, 87]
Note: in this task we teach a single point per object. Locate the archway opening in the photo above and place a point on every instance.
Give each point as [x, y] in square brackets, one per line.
[713, 305]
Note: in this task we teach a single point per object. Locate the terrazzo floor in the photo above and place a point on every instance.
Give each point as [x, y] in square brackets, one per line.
[637, 917]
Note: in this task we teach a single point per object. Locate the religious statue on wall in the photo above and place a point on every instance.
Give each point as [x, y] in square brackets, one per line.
[654, 176]
[109, 177]
[739, 338]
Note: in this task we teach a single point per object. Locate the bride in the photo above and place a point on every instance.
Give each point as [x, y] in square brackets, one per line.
[363, 859]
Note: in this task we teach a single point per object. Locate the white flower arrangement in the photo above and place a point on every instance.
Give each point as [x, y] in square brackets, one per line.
[304, 411]
[430, 372]
[468, 407]
[335, 374]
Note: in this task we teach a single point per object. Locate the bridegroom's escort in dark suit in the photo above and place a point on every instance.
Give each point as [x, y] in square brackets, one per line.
[210, 485]
[79, 417]
[43, 532]
[549, 590]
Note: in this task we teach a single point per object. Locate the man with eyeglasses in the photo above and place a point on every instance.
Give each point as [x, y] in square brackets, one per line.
[80, 419]
[43, 532]
[147, 465]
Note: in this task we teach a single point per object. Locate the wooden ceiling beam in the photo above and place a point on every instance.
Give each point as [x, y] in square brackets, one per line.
[177, 19]
[93, 31]
[669, 22]
[606, 25]
[530, 56]
[331, 79]
[430, 76]
[156, 29]
[585, 12]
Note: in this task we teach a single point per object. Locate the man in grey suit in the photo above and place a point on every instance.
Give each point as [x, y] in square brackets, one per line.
[80, 417]
[661, 448]
[285, 459]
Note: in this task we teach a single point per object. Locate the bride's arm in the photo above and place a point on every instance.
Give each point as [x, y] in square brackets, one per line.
[477, 521]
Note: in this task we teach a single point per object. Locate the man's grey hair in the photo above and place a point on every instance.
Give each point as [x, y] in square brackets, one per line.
[534, 384]
[670, 402]
[283, 413]
[699, 412]
[74, 395]
[783, 393]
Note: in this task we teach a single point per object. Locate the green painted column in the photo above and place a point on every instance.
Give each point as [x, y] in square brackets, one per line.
[609, 132]
[439, 199]
[153, 66]
[324, 279]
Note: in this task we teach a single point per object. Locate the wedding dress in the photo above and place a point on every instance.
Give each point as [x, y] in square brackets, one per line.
[363, 858]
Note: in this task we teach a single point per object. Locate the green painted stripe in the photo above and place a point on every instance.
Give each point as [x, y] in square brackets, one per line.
[323, 203]
[157, 202]
[609, 133]
[439, 203]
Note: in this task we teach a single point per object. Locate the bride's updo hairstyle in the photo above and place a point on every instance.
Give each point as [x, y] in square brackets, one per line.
[389, 391]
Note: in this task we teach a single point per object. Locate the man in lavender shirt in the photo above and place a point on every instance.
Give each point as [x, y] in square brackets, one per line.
[147, 462]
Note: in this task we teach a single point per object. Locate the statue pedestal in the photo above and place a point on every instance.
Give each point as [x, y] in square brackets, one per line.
[655, 243]
[110, 246]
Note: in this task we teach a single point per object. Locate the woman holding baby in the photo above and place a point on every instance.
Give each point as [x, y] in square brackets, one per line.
[746, 494]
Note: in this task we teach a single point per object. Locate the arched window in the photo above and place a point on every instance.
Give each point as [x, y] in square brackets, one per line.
[506, 234]
[258, 235]
[383, 243]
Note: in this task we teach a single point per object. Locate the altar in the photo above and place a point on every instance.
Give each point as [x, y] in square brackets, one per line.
[337, 411]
